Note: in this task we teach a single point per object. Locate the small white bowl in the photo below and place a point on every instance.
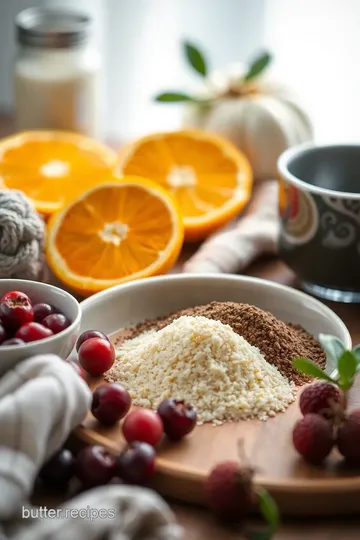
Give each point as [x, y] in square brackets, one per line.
[128, 304]
[60, 344]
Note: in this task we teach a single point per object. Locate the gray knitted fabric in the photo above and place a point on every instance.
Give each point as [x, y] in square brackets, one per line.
[22, 234]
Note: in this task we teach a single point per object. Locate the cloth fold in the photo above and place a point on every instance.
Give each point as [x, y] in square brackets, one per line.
[255, 233]
[41, 400]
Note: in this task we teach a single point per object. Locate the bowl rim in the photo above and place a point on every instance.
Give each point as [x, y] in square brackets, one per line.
[265, 283]
[294, 151]
[51, 339]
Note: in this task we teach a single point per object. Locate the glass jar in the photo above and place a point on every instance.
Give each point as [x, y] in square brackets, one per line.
[56, 72]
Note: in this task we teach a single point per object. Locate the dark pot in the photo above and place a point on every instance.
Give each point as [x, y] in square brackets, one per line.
[319, 206]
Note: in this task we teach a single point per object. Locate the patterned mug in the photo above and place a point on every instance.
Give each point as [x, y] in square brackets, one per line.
[319, 205]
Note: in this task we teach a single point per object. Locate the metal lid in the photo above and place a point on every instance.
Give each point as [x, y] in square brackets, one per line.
[52, 28]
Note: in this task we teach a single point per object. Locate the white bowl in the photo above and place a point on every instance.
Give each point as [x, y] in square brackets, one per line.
[126, 305]
[60, 344]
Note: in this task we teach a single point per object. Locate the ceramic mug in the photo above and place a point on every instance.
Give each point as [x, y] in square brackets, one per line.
[319, 205]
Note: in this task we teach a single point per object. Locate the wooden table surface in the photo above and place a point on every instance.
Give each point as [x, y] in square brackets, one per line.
[198, 523]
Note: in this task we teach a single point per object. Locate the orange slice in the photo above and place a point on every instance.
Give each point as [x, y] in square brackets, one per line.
[114, 233]
[52, 167]
[208, 176]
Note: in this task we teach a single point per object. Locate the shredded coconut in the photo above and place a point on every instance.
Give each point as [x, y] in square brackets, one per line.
[206, 363]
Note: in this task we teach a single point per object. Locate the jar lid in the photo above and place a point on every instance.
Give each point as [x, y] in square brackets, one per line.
[52, 28]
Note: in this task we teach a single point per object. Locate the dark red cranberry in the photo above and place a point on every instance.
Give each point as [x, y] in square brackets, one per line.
[33, 331]
[12, 341]
[96, 355]
[15, 311]
[110, 403]
[95, 466]
[41, 311]
[136, 464]
[88, 335]
[58, 471]
[56, 322]
[178, 417]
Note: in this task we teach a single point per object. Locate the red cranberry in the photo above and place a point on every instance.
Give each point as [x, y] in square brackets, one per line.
[41, 311]
[143, 425]
[95, 466]
[33, 331]
[110, 403]
[56, 322]
[96, 355]
[88, 335]
[12, 341]
[179, 418]
[136, 464]
[58, 471]
[16, 310]
[14, 295]
[2, 333]
[79, 370]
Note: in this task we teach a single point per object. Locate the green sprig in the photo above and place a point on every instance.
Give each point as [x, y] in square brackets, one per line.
[175, 97]
[344, 363]
[269, 511]
[257, 66]
[196, 58]
[198, 62]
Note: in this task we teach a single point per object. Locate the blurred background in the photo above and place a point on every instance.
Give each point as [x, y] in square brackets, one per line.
[315, 45]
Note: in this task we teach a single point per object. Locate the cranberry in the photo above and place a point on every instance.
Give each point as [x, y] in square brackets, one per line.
[16, 310]
[143, 425]
[14, 295]
[88, 335]
[2, 333]
[95, 466]
[56, 322]
[110, 403]
[33, 331]
[136, 464]
[41, 311]
[79, 370]
[96, 355]
[58, 471]
[178, 417]
[13, 341]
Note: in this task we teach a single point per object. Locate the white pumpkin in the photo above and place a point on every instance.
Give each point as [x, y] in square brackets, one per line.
[260, 118]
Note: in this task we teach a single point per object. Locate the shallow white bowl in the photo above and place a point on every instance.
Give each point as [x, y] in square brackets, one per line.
[128, 304]
[60, 344]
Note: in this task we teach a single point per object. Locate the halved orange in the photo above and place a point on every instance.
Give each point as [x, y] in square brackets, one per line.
[52, 167]
[209, 177]
[114, 233]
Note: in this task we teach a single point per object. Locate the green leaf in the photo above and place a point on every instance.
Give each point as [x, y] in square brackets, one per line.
[258, 65]
[356, 353]
[269, 510]
[310, 368]
[195, 58]
[333, 347]
[174, 97]
[347, 366]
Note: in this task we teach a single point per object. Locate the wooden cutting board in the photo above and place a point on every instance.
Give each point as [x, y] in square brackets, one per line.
[300, 489]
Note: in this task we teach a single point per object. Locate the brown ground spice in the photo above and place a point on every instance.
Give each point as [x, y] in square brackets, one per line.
[279, 342]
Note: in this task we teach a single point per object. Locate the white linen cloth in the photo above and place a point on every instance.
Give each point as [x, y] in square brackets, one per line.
[255, 233]
[41, 400]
